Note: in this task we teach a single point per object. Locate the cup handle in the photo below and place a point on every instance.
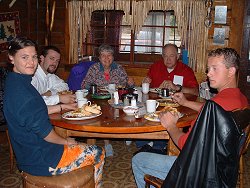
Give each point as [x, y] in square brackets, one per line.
[89, 103]
[157, 104]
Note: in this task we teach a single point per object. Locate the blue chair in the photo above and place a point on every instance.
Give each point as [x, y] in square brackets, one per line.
[77, 74]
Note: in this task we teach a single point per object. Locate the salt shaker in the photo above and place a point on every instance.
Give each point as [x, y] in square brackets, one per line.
[116, 98]
[133, 101]
[126, 101]
[139, 93]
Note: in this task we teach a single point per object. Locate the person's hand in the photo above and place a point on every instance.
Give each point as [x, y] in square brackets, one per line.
[71, 141]
[179, 98]
[67, 98]
[169, 120]
[131, 81]
[168, 84]
[71, 106]
[147, 80]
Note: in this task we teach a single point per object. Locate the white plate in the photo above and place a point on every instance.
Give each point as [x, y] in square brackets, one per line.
[154, 116]
[69, 116]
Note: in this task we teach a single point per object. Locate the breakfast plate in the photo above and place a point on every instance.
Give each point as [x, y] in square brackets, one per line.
[155, 115]
[152, 116]
[167, 102]
[73, 116]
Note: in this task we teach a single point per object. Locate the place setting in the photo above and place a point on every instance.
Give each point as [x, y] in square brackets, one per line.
[85, 110]
[153, 115]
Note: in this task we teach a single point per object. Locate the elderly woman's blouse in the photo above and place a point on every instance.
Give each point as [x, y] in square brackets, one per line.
[96, 75]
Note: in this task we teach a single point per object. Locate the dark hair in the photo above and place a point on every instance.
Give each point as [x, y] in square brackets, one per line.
[19, 43]
[105, 48]
[232, 58]
[168, 45]
[47, 48]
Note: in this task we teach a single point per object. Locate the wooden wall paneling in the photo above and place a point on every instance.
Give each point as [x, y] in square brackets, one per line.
[236, 29]
[245, 59]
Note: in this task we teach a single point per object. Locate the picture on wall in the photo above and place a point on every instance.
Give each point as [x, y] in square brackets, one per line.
[219, 36]
[9, 28]
[220, 15]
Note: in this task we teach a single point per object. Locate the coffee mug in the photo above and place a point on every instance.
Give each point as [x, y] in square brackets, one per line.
[151, 105]
[145, 88]
[82, 101]
[79, 94]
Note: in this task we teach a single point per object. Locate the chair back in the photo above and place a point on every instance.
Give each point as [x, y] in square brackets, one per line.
[77, 74]
[206, 158]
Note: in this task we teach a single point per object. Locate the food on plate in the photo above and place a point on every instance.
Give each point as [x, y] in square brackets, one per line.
[155, 116]
[94, 108]
[87, 110]
[167, 102]
[169, 109]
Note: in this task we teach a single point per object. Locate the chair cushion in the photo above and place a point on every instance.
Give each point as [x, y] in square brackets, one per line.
[82, 178]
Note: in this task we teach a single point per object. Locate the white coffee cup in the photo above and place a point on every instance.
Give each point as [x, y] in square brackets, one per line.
[145, 88]
[151, 105]
[82, 101]
[111, 87]
[79, 94]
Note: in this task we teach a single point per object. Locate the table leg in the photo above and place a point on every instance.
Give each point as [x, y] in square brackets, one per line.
[91, 141]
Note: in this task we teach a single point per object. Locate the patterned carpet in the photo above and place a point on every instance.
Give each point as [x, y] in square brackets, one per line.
[117, 169]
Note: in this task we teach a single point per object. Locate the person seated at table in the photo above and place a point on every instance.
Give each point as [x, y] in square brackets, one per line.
[47, 83]
[171, 73]
[105, 72]
[223, 65]
[39, 150]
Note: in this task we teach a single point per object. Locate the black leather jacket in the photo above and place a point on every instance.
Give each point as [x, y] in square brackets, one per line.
[209, 159]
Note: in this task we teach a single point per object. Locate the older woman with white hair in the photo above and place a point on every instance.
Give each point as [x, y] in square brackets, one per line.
[106, 72]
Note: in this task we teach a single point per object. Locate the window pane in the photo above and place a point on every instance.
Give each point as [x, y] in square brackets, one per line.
[149, 36]
[125, 39]
[155, 19]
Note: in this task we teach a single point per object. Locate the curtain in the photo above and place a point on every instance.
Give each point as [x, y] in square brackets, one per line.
[190, 15]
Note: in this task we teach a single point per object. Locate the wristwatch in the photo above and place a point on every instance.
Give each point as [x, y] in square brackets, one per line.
[180, 88]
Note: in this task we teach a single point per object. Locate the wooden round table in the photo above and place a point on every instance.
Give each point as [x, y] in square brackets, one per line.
[114, 123]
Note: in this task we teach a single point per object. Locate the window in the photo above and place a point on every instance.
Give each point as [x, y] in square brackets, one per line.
[158, 30]
[108, 27]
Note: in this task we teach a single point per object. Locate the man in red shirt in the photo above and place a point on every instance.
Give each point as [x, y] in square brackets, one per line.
[223, 65]
[171, 73]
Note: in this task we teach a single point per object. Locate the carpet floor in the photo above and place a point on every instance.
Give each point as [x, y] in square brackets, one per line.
[117, 169]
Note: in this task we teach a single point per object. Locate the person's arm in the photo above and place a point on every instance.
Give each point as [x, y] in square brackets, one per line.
[56, 84]
[190, 90]
[53, 137]
[58, 108]
[170, 85]
[147, 80]
[169, 120]
[181, 99]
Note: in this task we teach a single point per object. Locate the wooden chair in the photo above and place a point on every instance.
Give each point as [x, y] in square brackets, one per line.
[10, 152]
[242, 152]
[82, 178]
[241, 118]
